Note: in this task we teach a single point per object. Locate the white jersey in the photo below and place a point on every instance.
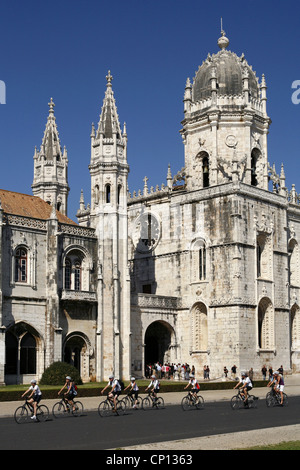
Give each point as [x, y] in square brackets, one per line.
[116, 384]
[134, 386]
[247, 382]
[36, 390]
[154, 383]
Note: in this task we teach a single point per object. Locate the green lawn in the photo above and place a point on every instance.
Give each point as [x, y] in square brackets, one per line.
[291, 445]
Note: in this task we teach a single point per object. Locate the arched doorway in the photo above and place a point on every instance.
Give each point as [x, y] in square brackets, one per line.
[158, 339]
[76, 352]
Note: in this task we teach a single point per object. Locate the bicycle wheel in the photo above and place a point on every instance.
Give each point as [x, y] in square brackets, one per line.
[21, 414]
[121, 407]
[139, 402]
[285, 400]
[160, 403]
[78, 408]
[128, 402]
[235, 402]
[186, 403]
[199, 403]
[59, 410]
[146, 403]
[42, 413]
[270, 399]
[104, 409]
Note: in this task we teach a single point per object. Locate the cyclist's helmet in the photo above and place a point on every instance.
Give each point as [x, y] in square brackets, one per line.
[276, 372]
[33, 381]
[153, 377]
[132, 379]
[244, 374]
[111, 377]
[68, 377]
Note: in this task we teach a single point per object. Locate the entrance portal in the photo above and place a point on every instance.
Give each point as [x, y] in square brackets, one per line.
[158, 338]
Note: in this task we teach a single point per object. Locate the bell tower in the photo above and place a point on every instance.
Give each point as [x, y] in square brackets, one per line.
[108, 215]
[225, 124]
[50, 180]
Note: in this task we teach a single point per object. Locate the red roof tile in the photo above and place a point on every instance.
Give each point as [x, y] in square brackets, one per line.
[29, 206]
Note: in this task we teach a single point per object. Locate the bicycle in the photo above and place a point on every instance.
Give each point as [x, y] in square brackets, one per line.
[190, 401]
[152, 402]
[64, 408]
[22, 412]
[238, 401]
[274, 399]
[130, 401]
[106, 408]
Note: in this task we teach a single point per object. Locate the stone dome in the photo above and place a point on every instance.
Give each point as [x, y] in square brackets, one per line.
[229, 70]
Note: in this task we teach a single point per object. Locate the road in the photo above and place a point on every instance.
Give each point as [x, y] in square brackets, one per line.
[91, 432]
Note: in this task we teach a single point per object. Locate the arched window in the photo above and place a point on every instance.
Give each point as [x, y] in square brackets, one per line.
[265, 324]
[255, 158]
[107, 194]
[21, 265]
[198, 261]
[205, 171]
[73, 271]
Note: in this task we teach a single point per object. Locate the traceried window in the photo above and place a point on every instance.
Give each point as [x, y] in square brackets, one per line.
[73, 270]
[21, 265]
[198, 261]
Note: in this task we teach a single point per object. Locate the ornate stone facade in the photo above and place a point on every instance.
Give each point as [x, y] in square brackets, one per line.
[203, 269]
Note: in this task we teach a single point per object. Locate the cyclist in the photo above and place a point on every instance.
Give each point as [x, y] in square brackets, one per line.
[155, 388]
[246, 386]
[71, 391]
[115, 390]
[278, 384]
[133, 391]
[34, 398]
[195, 386]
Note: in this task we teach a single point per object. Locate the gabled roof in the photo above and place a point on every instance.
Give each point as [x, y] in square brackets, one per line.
[26, 205]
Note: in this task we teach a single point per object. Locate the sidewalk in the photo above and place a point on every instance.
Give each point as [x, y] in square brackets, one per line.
[292, 388]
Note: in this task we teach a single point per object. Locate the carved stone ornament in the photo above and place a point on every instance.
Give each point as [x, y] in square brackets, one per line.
[231, 141]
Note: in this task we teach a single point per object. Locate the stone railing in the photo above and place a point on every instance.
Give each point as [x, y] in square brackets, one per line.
[161, 302]
[78, 295]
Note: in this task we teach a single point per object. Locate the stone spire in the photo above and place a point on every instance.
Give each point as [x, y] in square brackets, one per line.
[50, 181]
[109, 121]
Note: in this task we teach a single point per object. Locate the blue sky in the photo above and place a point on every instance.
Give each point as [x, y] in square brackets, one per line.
[63, 49]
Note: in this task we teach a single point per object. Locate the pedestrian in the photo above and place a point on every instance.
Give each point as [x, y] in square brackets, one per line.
[264, 372]
[250, 374]
[270, 372]
[225, 371]
[233, 371]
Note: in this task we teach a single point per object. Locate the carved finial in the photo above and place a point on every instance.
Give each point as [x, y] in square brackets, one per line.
[51, 106]
[109, 79]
